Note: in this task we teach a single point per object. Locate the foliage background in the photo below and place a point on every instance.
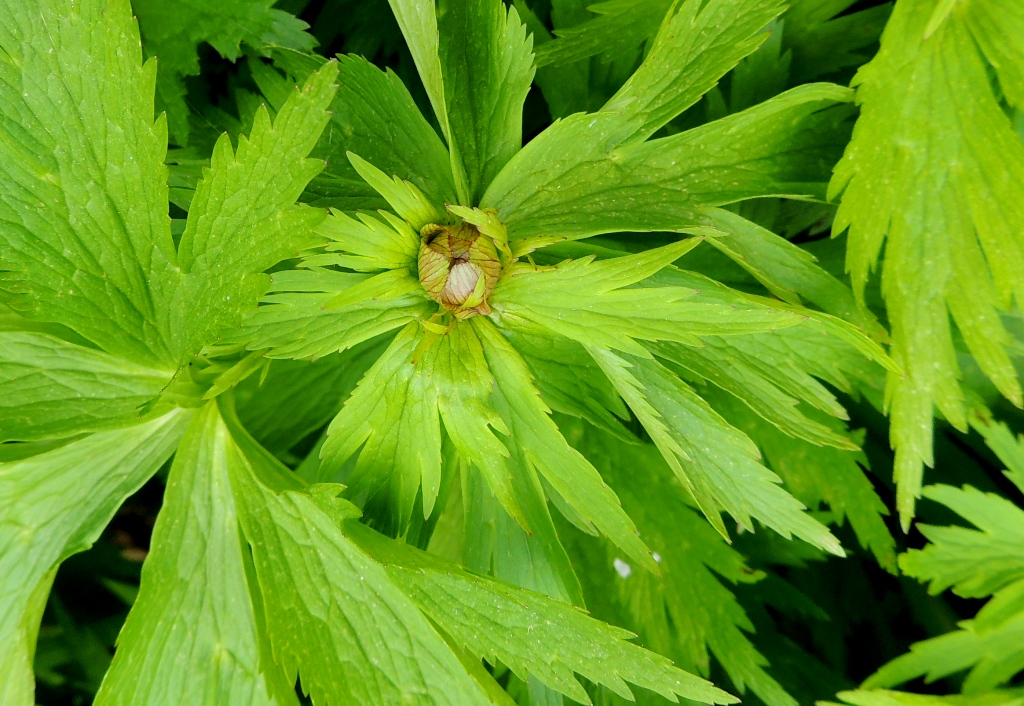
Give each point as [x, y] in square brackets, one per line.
[825, 623]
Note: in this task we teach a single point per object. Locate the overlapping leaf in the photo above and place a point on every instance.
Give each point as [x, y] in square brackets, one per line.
[191, 637]
[53, 505]
[946, 201]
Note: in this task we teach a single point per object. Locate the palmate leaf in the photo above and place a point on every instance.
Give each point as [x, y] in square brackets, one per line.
[92, 247]
[191, 636]
[817, 474]
[243, 218]
[583, 176]
[295, 323]
[332, 614]
[607, 312]
[975, 563]
[786, 270]
[716, 463]
[84, 234]
[51, 388]
[531, 634]
[54, 505]
[173, 32]
[688, 613]
[824, 37]
[915, 178]
[572, 478]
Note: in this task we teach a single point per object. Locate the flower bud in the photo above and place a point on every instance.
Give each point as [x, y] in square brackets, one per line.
[458, 267]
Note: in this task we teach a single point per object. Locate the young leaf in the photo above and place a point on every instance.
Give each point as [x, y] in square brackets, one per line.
[947, 203]
[403, 196]
[191, 635]
[370, 243]
[332, 614]
[295, 323]
[717, 463]
[788, 271]
[398, 432]
[609, 313]
[84, 236]
[487, 64]
[51, 388]
[54, 505]
[504, 624]
[819, 474]
[569, 474]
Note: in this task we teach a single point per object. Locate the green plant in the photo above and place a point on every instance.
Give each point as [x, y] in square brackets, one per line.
[422, 396]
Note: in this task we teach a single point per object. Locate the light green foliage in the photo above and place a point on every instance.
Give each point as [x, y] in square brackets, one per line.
[882, 697]
[191, 635]
[295, 323]
[332, 615]
[611, 315]
[380, 499]
[487, 64]
[529, 633]
[974, 563]
[687, 612]
[717, 464]
[51, 388]
[172, 32]
[946, 202]
[582, 176]
[819, 474]
[83, 202]
[243, 218]
[54, 505]
[573, 479]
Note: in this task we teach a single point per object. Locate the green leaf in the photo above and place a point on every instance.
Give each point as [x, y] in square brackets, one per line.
[818, 474]
[529, 633]
[332, 614]
[786, 270]
[691, 51]
[999, 438]
[51, 388]
[881, 697]
[294, 323]
[174, 31]
[688, 613]
[191, 635]
[487, 64]
[54, 505]
[403, 196]
[84, 236]
[297, 397]
[572, 478]
[366, 97]
[714, 461]
[392, 416]
[243, 218]
[369, 244]
[584, 176]
[607, 312]
[946, 201]
[974, 563]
